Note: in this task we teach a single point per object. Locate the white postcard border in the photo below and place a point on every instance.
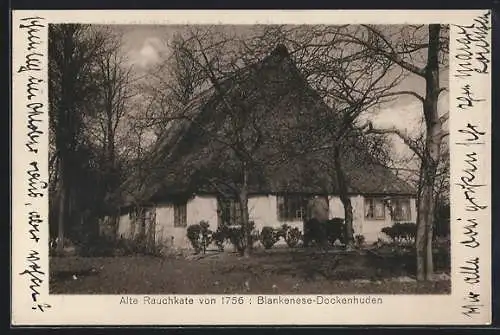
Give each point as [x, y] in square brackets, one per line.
[30, 175]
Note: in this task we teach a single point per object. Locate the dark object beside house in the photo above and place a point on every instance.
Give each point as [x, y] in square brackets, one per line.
[323, 233]
[401, 232]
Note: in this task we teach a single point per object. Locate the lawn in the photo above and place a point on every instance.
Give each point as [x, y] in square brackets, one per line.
[275, 271]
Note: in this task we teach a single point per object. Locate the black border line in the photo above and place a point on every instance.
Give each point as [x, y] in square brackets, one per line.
[258, 4]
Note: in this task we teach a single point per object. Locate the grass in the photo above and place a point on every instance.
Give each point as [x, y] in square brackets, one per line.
[275, 271]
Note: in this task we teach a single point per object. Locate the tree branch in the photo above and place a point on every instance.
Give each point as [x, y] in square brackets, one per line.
[442, 89]
[412, 93]
[392, 55]
[412, 144]
[443, 118]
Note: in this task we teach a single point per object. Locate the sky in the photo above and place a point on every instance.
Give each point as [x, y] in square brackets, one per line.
[145, 45]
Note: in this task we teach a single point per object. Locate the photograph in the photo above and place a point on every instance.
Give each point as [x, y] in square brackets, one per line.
[268, 159]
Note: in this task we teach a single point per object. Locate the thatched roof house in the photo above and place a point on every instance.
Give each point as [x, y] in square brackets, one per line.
[271, 105]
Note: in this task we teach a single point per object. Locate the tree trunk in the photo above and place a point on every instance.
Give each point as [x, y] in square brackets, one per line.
[430, 159]
[429, 264]
[349, 230]
[245, 224]
[61, 220]
[344, 198]
[245, 220]
[110, 156]
[425, 218]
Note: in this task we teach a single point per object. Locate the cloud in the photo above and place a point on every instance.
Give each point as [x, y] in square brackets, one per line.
[148, 54]
[405, 115]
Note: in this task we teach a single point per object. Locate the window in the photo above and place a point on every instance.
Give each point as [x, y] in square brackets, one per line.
[401, 209]
[229, 211]
[180, 214]
[292, 207]
[374, 209]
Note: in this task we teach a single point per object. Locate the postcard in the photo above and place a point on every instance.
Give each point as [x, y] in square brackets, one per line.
[256, 167]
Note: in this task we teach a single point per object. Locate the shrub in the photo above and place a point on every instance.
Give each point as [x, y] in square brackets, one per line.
[292, 236]
[282, 231]
[335, 230]
[154, 249]
[219, 237]
[139, 245]
[194, 236]
[235, 235]
[379, 243]
[323, 233]
[129, 246]
[359, 240]
[401, 233]
[314, 231]
[206, 235]
[200, 236]
[268, 237]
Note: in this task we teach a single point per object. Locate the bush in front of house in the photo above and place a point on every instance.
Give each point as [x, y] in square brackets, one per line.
[359, 240]
[292, 236]
[200, 236]
[335, 230]
[206, 235]
[139, 245]
[219, 237]
[314, 233]
[127, 247]
[234, 234]
[268, 237]
[323, 233]
[194, 236]
[282, 231]
[401, 233]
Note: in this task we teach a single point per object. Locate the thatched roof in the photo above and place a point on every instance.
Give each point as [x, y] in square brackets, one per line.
[279, 104]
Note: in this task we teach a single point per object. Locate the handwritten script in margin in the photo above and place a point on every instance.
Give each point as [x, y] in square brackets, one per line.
[472, 55]
[34, 108]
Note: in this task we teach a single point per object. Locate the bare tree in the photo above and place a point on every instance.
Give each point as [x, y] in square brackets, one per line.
[169, 87]
[241, 130]
[235, 126]
[354, 83]
[349, 79]
[115, 91]
[404, 53]
[73, 50]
